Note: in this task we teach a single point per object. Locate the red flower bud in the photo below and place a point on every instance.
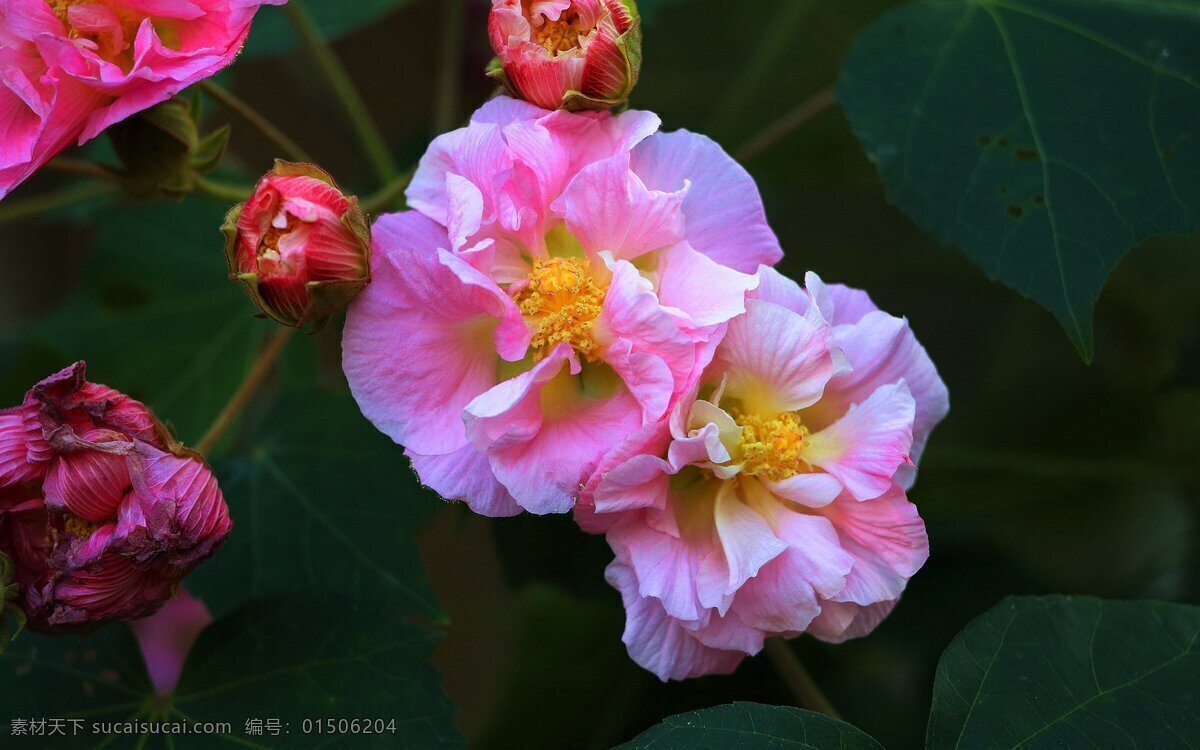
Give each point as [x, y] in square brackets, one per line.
[573, 54]
[299, 246]
[102, 513]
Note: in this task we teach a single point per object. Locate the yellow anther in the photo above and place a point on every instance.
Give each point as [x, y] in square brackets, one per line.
[78, 527]
[559, 36]
[773, 448]
[562, 303]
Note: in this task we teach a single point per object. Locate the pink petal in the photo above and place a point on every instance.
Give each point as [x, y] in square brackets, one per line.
[607, 207]
[465, 475]
[658, 642]
[703, 290]
[723, 210]
[776, 360]
[166, 637]
[864, 448]
[90, 483]
[745, 544]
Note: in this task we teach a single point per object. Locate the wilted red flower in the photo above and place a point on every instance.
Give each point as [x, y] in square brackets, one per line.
[101, 512]
[299, 246]
[575, 54]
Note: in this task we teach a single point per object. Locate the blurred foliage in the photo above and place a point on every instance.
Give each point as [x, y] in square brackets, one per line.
[286, 659]
[750, 726]
[989, 130]
[1049, 475]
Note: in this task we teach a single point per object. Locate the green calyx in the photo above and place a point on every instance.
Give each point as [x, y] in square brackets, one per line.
[162, 151]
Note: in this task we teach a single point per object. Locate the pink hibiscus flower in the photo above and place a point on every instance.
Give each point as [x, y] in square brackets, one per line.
[552, 291]
[71, 68]
[772, 502]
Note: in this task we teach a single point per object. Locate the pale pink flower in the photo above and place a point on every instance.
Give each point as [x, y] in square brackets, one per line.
[101, 512]
[578, 54]
[772, 502]
[553, 290]
[71, 68]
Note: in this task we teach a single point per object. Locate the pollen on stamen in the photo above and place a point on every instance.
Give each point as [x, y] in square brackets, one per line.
[561, 303]
[773, 448]
[559, 36]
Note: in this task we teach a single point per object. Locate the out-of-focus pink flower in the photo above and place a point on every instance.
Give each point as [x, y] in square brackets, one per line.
[553, 290]
[578, 54]
[101, 512]
[299, 246]
[71, 68]
[772, 502]
[166, 637]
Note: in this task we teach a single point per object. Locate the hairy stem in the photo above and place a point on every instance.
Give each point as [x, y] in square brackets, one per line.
[783, 127]
[317, 47]
[797, 678]
[287, 147]
[259, 372]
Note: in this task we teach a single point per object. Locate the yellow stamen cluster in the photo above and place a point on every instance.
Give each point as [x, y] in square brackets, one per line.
[562, 303]
[78, 527]
[773, 448]
[558, 36]
[60, 8]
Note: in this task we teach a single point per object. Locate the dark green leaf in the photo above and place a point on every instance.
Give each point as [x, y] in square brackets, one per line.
[157, 316]
[287, 659]
[273, 35]
[1051, 672]
[751, 726]
[1044, 137]
[320, 500]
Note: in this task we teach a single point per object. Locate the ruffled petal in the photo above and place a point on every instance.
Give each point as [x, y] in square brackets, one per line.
[466, 475]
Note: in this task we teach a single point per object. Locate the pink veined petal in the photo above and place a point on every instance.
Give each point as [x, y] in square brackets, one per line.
[746, 543]
[477, 153]
[606, 71]
[723, 211]
[651, 440]
[729, 633]
[665, 566]
[541, 79]
[18, 463]
[887, 539]
[607, 207]
[775, 360]
[113, 588]
[90, 483]
[22, 111]
[779, 289]
[658, 642]
[699, 287]
[815, 490]
[864, 448]
[842, 621]
[27, 19]
[166, 637]
[421, 341]
[882, 349]
[507, 25]
[543, 437]
[465, 475]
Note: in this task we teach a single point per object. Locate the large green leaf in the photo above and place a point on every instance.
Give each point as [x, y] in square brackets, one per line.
[272, 33]
[751, 726]
[156, 315]
[1044, 137]
[289, 660]
[1051, 672]
[320, 500]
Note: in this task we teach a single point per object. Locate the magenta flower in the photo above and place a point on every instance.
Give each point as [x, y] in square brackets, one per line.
[578, 54]
[71, 68]
[299, 245]
[772, 502]
[101, 512]
[554, 290]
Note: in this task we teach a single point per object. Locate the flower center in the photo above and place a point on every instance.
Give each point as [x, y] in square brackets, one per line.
[562, 303]
[78, 527]
[773, 448]
[559, 36]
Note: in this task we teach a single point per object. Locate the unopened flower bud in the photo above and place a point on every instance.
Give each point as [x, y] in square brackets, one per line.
[299, 246]
[572, 54]
[107, 514]
[162, 150]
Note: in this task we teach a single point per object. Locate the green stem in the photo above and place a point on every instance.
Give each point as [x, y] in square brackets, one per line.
[40, 204]
[797, 678]
[389, 195]
[286, 145]
[263, 366]
[445, 107]
[222, 191]
[339, 81]
[82, 167]
[781, 128]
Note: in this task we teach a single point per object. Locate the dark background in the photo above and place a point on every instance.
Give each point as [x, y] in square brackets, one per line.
[1049, 475]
